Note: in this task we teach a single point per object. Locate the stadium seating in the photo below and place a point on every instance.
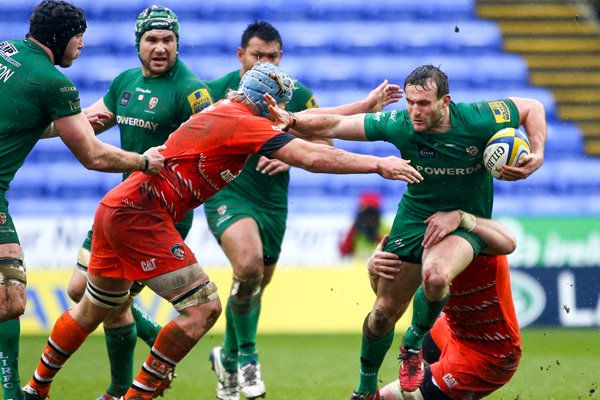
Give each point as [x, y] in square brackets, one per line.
[341, 49]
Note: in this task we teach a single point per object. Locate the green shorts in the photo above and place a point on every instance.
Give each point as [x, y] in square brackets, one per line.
[406, 238]
[221, 214]
[8, 233]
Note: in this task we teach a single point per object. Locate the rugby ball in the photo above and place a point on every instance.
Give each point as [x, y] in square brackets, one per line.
[505, 147]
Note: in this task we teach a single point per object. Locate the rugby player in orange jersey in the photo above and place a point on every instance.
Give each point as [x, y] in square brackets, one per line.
[474, 347]
[134, 228]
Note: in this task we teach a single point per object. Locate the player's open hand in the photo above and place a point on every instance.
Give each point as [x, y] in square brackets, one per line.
[281, 117]
[156, 161]
[398, 169]
[528, 164]
[271, 166]
[382, 96]
[439, 225]
[98, 118]
[382, 264]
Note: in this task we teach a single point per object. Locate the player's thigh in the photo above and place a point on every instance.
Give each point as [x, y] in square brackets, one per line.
[394, 295]
[242, 244]
[448, 258]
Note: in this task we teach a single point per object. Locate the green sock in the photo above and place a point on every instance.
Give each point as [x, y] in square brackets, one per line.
[229, 355]
[120, 343]
[9, 359]
[372, 353]
[425, 312]
[245, 319]
[147, 328]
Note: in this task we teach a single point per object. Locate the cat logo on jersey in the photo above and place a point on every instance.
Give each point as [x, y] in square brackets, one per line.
[199, 100]
[500, 110]
[153, 102]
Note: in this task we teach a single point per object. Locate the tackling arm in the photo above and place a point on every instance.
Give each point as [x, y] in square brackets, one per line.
[77, 133]
[499, 240]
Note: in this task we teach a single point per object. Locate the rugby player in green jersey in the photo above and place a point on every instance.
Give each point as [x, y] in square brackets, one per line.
[34, 94]
[248, 219]
[444, 141]
[147, 103]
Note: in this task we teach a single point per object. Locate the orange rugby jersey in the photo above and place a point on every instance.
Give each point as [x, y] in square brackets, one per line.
[203, 155]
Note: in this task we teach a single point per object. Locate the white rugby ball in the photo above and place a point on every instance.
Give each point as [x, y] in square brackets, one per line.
[505, 147]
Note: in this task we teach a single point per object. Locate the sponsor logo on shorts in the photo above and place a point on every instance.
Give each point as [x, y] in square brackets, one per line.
[153, 102]
[222, 210]
[178, 251]
[472, 150]
[449, 380]
[2, 218]
[149, 265]
[125, 99]
[227, 176]
[66, 89]
[500, 110]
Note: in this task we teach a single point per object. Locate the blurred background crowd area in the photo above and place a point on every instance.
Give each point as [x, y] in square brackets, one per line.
[545, 49]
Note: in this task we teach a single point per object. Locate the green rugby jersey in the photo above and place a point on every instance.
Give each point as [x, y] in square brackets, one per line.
[261, 189]
[148, 110]
[33, 93]
[451, 162]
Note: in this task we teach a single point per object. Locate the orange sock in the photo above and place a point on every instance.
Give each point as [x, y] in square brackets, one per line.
[171, 345]
[66, 337]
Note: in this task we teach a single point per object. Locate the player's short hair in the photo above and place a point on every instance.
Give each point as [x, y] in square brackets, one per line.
[266, 78]
[262, 30]
[53, 23]
[423, 75]
[155, 17]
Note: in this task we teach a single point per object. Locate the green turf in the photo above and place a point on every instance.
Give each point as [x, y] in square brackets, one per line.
[557, 364]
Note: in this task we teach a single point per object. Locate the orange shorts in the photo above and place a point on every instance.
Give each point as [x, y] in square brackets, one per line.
[462, 373]
[136, 245]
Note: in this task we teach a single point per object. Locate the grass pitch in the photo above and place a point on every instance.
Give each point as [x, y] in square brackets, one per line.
[556, 364]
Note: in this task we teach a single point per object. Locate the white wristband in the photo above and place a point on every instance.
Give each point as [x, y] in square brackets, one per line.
[467, 221]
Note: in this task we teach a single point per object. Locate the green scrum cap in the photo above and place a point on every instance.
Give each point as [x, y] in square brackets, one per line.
[155, 17]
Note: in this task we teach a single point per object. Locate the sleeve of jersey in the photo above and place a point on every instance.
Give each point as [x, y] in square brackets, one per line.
[62, 98]
[383, 125]
[110, 98]
[302, 99]
[197, 98]
[493, 115]
[261, 136]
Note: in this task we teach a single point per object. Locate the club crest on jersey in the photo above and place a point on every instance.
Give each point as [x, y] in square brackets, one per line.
[153, 102]
[222, 210]
[472, 150]
[125, 99]
[178, 251]
[2, 218]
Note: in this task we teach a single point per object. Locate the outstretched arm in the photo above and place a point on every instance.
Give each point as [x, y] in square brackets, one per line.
[77, 133]
[377, 99]
[322, 158]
